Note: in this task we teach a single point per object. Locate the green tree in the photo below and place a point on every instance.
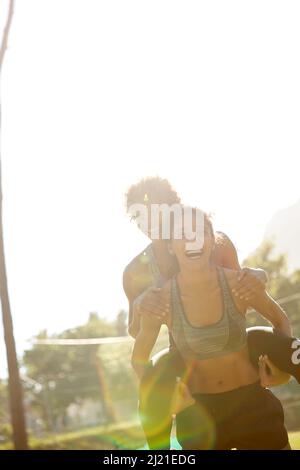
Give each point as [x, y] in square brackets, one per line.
[282, 285]
[67, 374]
[121, 323]
[15, 387]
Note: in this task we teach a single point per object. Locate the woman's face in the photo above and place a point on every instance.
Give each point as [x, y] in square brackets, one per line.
[189, 257]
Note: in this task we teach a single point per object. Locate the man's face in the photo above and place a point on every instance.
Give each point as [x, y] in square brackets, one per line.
[167, 222]
[151, 228]
[153, 220]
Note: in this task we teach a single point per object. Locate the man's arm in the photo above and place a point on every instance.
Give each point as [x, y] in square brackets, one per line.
[133, 317]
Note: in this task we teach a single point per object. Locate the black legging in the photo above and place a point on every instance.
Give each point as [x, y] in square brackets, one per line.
[158, 383]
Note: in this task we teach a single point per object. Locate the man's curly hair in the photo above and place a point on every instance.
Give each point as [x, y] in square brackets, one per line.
[152, 190]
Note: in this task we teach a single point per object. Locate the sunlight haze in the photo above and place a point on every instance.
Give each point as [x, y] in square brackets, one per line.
[98, 94]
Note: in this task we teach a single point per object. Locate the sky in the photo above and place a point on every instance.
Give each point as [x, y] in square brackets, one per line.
[97, 94]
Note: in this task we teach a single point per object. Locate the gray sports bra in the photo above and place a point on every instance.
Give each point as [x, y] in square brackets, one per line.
[221, 338]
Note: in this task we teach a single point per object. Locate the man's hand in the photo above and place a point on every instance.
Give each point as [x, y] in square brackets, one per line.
[250, 281]
[154, 301]
[270, 375]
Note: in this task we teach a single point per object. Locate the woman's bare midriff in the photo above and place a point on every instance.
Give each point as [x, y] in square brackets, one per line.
[221, 374]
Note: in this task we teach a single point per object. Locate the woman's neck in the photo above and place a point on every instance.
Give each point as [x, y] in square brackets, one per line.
[199, 278]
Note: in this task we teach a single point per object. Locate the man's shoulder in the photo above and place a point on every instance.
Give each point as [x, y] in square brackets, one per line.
[223, 242]
[135, 277]
[136, 262]
[222, 238]
[225, 252]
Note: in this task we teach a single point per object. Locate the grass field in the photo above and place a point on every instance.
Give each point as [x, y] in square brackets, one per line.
[295, 440]
[122, 436]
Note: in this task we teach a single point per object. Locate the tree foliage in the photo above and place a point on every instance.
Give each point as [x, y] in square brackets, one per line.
[68, 374]
[282, 285]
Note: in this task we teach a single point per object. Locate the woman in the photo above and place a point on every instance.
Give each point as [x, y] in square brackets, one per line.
[208, 328]
[151, 268]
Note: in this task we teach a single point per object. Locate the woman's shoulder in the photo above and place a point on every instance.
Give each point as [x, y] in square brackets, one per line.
[232, 277]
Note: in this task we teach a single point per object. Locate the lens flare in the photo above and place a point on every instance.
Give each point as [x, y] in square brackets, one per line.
[195, 428]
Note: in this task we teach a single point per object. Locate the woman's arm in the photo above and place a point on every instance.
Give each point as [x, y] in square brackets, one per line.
[144, 343]
[282, 350]
[264, 304]
[269, 346]
[148, 333]
[153, 301]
